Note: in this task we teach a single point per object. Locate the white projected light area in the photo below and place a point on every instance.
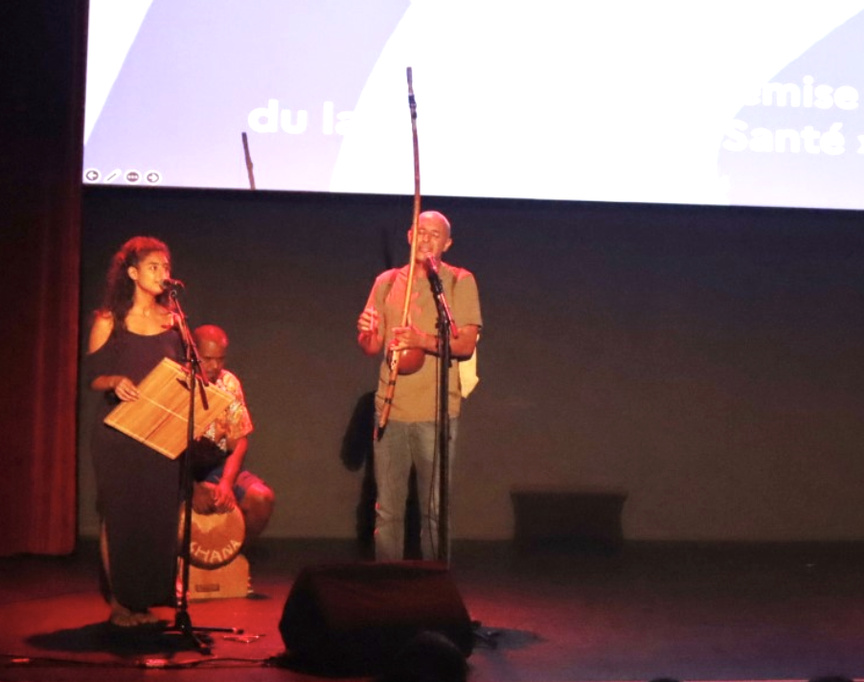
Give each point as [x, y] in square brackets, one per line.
[723, 103]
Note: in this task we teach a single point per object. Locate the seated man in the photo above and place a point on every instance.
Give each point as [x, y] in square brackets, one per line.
[222, 482]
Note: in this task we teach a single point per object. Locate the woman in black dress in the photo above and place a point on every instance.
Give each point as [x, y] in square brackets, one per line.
[138, 489]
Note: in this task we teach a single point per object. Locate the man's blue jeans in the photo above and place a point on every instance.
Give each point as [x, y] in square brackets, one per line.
[401, 445]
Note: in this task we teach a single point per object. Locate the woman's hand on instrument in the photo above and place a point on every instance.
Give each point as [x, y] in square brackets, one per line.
[125, 389]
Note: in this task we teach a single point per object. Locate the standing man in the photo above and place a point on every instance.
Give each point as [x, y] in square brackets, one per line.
[222, 482]
[411, 431]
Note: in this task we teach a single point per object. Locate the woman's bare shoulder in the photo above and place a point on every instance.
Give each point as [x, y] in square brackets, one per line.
[103, 325]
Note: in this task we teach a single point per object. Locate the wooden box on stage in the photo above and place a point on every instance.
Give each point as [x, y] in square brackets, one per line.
[217, 569]
[226, 582]
[160, 416]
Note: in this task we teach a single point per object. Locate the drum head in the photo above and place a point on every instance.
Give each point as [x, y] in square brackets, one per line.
[215, 538]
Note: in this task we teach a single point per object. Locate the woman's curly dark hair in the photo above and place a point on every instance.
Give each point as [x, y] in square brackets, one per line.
[119, 287]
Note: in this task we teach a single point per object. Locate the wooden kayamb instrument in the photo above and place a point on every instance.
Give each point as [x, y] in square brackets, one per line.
[409, 360]
[159, 417]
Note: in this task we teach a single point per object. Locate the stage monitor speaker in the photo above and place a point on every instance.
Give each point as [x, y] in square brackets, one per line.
[353, 618]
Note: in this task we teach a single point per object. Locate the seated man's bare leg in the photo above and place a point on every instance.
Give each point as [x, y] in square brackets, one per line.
[257, 507]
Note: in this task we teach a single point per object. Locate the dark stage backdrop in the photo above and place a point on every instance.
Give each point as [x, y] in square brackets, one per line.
[706, 361]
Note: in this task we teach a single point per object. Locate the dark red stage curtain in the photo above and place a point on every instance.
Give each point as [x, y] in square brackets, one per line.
[42, 119]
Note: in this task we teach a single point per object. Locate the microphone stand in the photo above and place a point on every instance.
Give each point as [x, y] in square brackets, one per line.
[445, 325]
[197, 636]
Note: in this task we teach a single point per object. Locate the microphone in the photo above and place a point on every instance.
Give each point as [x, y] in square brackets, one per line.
[432, 264]
[432, 275]
[173, 284]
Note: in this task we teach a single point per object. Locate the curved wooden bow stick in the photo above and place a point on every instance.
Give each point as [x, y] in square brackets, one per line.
[249, 164]
[413, 357]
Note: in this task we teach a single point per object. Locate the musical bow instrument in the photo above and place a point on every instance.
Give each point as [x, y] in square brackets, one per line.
[409, 360]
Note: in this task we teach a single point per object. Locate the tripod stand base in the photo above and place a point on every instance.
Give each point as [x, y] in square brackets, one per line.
[195, 637]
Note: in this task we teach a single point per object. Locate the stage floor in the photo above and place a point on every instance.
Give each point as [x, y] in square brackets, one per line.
[692, 612]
